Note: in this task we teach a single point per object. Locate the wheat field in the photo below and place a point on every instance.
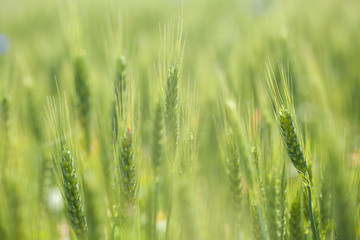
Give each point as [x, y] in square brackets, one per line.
[184, 120]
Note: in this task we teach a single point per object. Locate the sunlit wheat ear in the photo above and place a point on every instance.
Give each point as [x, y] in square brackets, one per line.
[66, 168]
[171, 106]
[81, 79]
[291, 140]
[283, 104]
[72, 194]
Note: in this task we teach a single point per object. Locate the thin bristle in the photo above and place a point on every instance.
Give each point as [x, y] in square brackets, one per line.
[157, 148]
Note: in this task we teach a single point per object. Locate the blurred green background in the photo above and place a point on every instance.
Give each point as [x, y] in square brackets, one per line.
[227, 44]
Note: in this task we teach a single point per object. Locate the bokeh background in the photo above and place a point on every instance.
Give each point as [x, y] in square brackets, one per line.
[227, 46]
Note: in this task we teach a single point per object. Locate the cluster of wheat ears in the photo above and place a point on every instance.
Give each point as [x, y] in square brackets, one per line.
[276, 187]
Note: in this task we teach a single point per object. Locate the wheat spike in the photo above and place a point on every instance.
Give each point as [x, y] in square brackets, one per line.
[283, 206]
[157, 147]
[291, 140]
[72, 194]
[127, 175]
[120, 96]
[171, 106]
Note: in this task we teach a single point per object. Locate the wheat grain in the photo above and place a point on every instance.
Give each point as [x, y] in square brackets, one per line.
[127, 175]
[73, 199]
[171, 107]
[291, 140]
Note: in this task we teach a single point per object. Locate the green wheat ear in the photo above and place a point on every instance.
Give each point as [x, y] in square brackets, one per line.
[120, 90]
[72, 194]
[157, 146]
[81, 79]
[128, 175]
[171, 106]
[291, 140]
[65, 166]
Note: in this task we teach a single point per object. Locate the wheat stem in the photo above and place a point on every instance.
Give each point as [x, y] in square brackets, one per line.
[169, 210]
[313, 226]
